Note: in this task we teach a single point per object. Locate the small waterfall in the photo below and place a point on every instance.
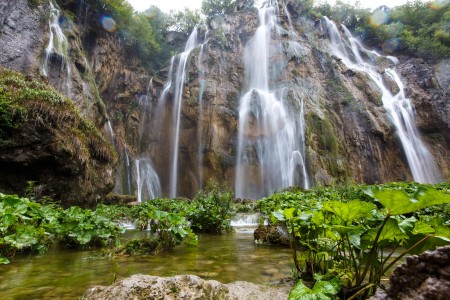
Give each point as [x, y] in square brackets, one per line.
[148, 185]
[399, 108]
[111, 133]
[245, 220]
[128, 167]
[270, 135]
[59, 45]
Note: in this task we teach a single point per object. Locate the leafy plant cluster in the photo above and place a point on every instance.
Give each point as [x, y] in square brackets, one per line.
[345, 241]
[209, 211]
[415, 28]
[169, 229]
[28, 226]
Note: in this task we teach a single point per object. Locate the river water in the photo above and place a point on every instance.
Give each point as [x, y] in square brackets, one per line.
[64, 274]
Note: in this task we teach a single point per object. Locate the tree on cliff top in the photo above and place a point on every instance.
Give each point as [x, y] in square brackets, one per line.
[217, 7]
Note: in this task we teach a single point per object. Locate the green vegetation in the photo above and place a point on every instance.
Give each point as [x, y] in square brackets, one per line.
[415, 28]
[145, 34]
[209, 211]
[27, 226]
[356, 234]
[217, 7]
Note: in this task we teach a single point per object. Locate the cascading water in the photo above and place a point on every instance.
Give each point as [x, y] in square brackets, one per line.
[128, 167]
[111, 133]
[180, 77]
[57, 44]
[202, 81]
[148, 185]
[400, 110]
[270, 152]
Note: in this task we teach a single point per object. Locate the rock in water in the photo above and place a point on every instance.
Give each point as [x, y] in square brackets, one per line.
[184, 287]
[422, 277]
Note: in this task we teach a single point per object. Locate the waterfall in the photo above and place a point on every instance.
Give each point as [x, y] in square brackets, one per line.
[59, 45]
[148, 185]
[176, 84]
[111, 134]
[128, 168]
[399, 108]
[202, 81]
[270, 151]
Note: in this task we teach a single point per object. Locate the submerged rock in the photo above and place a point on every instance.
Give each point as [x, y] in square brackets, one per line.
[422, 277]
[184, 287]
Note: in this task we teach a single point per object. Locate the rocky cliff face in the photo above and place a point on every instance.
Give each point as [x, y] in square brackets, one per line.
[86, 64]
[349, 135]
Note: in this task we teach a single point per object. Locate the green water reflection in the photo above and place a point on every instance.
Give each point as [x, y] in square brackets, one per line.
[67, 274]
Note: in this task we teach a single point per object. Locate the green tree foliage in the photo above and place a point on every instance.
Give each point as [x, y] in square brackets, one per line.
[416, 28]
[145, 33]
[184, 21]
[217, 7]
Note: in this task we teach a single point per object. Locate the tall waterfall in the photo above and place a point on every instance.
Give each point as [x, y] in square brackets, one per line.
[270, 152]
[200, 135]
[175, 83]
[399, 108]
[59, 45]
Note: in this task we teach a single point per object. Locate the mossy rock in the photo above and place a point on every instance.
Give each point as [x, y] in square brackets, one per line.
[43, 138]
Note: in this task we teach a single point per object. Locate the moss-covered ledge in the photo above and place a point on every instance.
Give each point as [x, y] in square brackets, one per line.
[44, 139]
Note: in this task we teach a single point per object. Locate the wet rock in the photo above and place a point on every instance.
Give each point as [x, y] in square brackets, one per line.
[422, 277]
[271, 234]
[184, 287]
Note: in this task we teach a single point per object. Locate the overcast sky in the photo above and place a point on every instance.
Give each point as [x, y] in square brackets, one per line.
[167, 5]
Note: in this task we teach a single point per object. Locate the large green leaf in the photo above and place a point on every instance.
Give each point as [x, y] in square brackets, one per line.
[397, 202]
[4, 261]
[322, 290]
[349, 212]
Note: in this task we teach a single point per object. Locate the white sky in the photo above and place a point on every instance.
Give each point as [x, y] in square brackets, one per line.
[167, 5]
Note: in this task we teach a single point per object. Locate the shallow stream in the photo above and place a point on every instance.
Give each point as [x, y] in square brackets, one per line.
[65, 274]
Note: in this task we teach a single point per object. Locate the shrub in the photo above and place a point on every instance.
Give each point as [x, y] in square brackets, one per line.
[212, 209]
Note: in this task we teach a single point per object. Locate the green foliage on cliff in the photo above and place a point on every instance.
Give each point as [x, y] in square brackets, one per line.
[415, 28]
[217, 7]
[145, 34]
[25, 100]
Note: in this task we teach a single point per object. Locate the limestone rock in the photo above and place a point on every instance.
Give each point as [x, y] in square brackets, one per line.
[422, 277]
[184, 287]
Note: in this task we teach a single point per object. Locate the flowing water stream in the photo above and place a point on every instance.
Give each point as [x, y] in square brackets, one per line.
[67, 274]
[399, 108]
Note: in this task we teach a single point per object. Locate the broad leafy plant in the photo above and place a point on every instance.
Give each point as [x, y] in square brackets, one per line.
[28, 226]
[359, 241]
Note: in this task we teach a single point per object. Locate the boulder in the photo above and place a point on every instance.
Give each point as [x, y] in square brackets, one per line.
[422, 277]
[184, 287]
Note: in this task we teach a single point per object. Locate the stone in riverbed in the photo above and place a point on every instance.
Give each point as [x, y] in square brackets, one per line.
[184, 287]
